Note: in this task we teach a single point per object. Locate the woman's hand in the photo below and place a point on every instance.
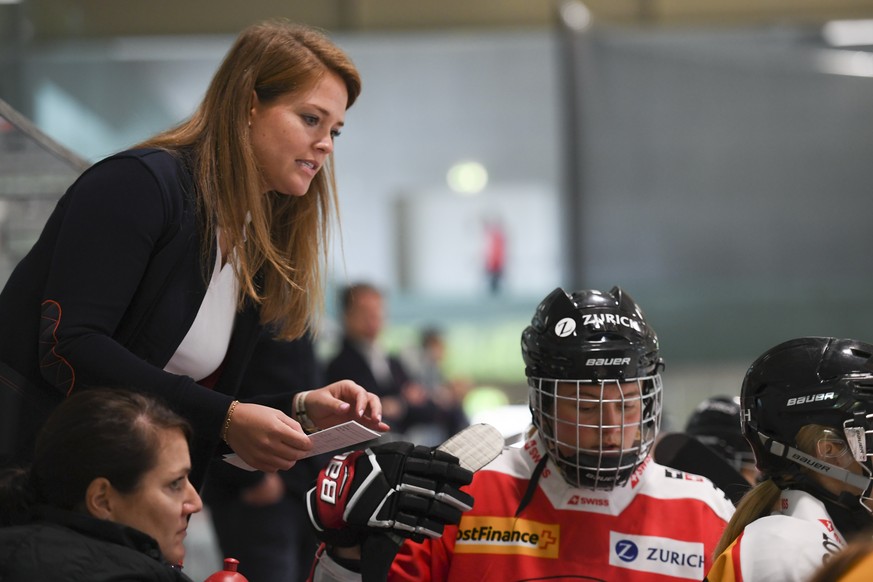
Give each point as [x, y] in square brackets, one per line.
[266, 438]
[343, 401]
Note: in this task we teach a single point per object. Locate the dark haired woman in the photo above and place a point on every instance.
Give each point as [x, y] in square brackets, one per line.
[107, 496]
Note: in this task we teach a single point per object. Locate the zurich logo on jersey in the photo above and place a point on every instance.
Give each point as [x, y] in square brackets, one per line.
[626, 550]
[657, 555]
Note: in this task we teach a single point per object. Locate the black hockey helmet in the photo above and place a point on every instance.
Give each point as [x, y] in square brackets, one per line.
[811, 380]
[592, 337]
[716, 423]
[589, 335]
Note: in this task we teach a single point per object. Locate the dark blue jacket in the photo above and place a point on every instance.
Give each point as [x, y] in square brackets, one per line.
[63, 545]
[107, 294]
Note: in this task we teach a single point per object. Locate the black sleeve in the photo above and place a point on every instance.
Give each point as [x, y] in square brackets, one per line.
[116, 214]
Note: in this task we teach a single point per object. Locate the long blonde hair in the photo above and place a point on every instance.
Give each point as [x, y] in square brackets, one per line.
[761, 500]
[282, 251]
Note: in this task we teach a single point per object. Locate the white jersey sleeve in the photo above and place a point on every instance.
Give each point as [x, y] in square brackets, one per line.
[784, 548]
[788, 545]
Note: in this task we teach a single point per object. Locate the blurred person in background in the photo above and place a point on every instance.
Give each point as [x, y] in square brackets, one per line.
[713, 445]
[806, 409]
[716, 423]
[494, 253]
[107, 496]
[582, 498]
[361, 358]
[165, 268]
[446, 393]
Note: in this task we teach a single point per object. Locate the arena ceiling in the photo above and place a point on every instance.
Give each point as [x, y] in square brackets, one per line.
[63, 19]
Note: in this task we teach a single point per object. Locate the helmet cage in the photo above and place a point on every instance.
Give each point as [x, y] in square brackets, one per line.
[585, 423]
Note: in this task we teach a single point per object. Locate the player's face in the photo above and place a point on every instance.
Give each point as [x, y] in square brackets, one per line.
[597, 417]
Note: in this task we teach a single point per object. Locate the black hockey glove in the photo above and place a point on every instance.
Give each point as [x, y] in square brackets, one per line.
[397, 488]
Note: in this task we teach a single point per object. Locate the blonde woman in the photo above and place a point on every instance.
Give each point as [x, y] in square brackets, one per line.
[167, 267]
[805, 412]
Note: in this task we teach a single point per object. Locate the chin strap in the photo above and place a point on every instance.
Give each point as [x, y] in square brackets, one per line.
[532, 485]
[797, 456]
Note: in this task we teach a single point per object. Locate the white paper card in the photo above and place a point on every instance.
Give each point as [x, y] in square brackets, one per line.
[330, 439]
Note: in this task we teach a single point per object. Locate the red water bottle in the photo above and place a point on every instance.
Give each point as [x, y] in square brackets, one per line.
[229, 573]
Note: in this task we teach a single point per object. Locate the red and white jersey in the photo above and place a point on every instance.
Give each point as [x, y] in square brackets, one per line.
[788, 545]
[662, 526]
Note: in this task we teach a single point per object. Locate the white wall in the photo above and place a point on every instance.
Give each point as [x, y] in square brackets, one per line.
[446, 243]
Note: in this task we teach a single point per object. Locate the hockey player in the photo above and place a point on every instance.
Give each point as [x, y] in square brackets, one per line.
[807, 405]
[581, 498]
[715, 422]
[712, 445]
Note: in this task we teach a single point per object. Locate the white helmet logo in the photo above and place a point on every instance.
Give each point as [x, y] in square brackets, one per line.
[565, 327]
